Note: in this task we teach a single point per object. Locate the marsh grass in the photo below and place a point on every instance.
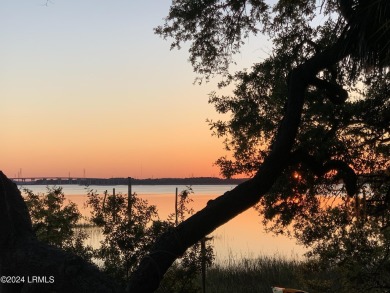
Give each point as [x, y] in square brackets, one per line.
[254, 275]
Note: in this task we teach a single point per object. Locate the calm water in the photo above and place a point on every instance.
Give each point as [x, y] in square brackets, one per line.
[243, 236]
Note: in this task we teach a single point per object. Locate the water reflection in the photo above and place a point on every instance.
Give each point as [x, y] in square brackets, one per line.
[243, 236]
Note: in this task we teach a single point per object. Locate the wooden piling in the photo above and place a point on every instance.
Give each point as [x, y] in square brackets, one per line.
[129, 199]
[104, 200]
[176, 222]
[203, 261]
[203, 251]
[114, 205]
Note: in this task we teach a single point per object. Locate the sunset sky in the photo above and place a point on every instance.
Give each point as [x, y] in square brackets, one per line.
[86, 85]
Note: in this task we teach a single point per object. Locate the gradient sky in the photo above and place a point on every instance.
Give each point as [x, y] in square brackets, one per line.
[86, 85]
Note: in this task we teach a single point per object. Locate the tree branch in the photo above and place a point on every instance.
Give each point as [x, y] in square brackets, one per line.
[320, 169]
[334, 92]
[219, 211]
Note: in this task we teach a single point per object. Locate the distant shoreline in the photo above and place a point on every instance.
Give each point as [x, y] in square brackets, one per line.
[125, 181]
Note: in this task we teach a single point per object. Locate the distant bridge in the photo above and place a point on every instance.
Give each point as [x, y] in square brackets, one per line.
[62, 180]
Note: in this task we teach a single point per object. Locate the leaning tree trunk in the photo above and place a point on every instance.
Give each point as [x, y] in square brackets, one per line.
[27, 265]
[173, 244]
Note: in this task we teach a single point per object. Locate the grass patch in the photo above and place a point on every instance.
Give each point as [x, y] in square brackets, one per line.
[254, 275]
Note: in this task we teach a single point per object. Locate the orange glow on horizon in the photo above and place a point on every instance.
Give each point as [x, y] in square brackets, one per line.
[83, 95]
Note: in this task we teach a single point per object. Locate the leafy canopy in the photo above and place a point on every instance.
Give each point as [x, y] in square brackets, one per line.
[55, 222]
[130, 226]
[336, 191]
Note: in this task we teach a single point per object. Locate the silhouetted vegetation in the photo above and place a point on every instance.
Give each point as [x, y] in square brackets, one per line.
[309, 123]
[125, 242]
[129, 226]
[55, 222]
[255, 275]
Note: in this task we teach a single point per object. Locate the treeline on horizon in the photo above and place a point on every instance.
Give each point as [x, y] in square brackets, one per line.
[125, 181]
